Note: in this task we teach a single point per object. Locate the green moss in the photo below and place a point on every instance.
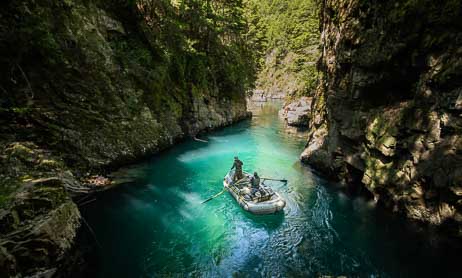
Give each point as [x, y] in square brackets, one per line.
[19, 150]
[50, 164]
[382, 127]
[95, 67]
[5, 195]
[376, 172]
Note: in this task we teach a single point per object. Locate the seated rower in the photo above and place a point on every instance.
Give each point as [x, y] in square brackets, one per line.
[255, 183]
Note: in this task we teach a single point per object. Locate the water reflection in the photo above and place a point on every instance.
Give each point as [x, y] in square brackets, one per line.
[156, 226]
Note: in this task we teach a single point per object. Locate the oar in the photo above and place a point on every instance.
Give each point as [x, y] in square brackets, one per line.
[240, 182]
[224, 189]
[243, 180]
[214, 196]
[270, 179]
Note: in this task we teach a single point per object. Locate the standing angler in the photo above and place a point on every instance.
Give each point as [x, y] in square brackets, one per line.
[238, 166]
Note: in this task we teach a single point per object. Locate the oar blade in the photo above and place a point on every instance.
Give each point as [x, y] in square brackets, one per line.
[214, 196]
[206, 200]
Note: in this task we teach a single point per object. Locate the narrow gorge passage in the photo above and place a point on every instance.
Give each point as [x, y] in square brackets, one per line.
[157, 226]
[159, 91]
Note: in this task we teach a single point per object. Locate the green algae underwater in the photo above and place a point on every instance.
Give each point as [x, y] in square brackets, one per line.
[156, 226]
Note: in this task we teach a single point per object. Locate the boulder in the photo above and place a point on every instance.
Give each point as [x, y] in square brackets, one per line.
[297, 112]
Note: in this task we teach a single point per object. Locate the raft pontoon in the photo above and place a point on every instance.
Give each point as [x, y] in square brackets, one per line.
[266, 201]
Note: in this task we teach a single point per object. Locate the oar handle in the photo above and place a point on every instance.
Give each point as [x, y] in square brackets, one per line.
[270, 179]
[214, 196]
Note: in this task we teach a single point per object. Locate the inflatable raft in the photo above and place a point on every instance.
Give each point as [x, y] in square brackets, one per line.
[266, 201]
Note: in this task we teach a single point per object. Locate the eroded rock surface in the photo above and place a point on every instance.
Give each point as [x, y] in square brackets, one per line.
[297, 112]
[93, 98]
[86, 86]
[387, 113]
[38, 219]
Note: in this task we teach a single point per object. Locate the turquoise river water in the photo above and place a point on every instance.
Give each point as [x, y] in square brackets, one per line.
[156, 226]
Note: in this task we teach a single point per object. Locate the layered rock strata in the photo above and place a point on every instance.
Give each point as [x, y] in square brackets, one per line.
[387, 114]
[86, 86]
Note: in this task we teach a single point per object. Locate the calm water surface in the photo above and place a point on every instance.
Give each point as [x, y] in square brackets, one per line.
[157, 227]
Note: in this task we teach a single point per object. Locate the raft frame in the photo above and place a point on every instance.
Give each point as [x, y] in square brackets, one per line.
[274, 204]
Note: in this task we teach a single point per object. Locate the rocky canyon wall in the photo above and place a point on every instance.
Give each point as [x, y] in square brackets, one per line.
[387, 114]
[87, 85]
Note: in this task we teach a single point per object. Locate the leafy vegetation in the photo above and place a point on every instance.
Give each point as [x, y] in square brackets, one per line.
[77, 76]
[73, 71]
[286, 36]
[201, 41]
[191, 43]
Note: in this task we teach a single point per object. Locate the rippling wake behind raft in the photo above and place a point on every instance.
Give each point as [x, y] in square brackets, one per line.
[266, 202]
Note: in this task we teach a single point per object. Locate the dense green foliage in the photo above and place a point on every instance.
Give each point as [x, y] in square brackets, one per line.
[192, 42]
[203, 40]
[286, 35]
[75, 70]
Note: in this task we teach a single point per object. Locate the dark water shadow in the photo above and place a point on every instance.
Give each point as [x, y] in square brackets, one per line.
[269, 222]
[116, 211]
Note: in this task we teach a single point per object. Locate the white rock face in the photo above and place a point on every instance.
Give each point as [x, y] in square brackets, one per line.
[297, 113]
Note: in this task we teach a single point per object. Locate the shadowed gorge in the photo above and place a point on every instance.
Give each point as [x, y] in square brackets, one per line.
[108, 140]
[387, 112]
[87, 86]
[157, 226]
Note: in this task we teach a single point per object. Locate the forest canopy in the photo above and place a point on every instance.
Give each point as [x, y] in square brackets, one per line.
[286, 35]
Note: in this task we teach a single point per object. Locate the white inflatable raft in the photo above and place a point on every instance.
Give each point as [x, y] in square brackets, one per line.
[266, 202]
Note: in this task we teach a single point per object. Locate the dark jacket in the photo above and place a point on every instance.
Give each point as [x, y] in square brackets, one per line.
[238, 165]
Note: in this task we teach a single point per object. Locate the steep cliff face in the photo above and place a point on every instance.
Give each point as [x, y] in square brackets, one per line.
[97, 83]
[286, 39]
[86, 85]
[38, 220]
[387, 114]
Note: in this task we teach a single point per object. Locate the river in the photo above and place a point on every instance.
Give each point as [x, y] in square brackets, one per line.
[156, 226]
